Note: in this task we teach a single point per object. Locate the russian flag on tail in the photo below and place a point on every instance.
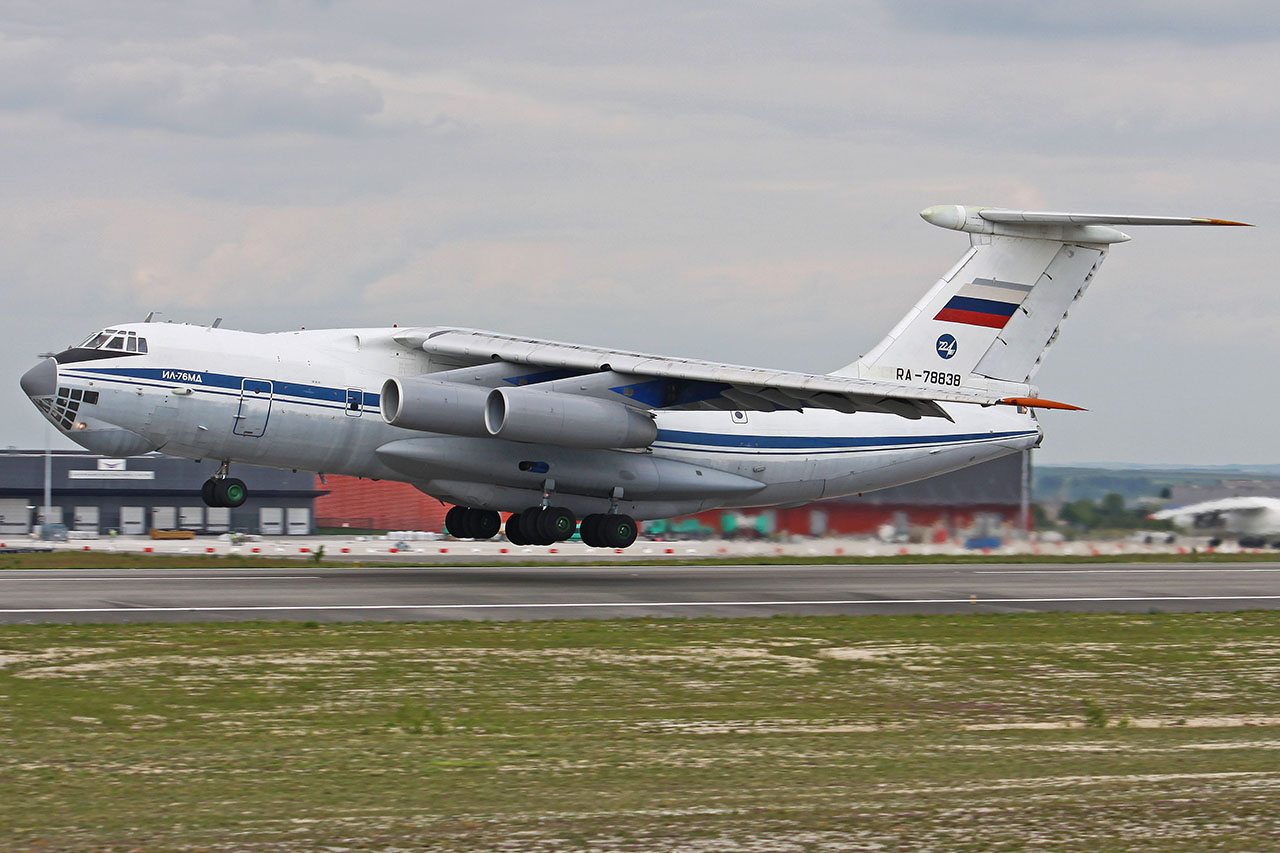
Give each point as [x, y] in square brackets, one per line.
[984, 302]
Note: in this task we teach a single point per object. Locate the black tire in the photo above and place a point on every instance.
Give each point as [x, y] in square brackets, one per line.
[618, 531]
[556, 524]
[455, 522]
[514, 534]
[589, 530]
[207, 493]
[529, 527]
[484, 524]
[230, 492]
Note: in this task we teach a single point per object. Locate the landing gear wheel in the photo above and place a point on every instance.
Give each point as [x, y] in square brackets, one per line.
[514, 536]
[226, 492]
[483, 523]
[455, 522]
[531, 526]
[230, 492]
[556, 523]
[618, 531]
[589, 530]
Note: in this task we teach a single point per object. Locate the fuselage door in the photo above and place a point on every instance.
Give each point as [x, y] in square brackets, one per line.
[255, 408]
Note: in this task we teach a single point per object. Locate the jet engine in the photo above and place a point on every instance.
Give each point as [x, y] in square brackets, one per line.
[567, 420]
[431, 406]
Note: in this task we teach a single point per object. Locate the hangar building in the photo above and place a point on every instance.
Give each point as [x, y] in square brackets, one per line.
[95, 494]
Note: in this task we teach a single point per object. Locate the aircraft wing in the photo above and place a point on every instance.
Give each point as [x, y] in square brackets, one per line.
[655, 381]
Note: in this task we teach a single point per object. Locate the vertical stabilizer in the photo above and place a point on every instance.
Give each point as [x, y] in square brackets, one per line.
[991, 318]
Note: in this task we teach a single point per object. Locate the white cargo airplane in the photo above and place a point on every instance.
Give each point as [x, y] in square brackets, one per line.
[558, 432]
[1255, 520]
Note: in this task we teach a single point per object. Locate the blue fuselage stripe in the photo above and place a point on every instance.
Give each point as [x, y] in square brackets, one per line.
[224, 384]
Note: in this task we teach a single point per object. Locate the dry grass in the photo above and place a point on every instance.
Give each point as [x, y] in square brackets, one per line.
[1036, 732]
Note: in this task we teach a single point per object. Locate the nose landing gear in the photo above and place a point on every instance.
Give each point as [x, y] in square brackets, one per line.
[221, 490]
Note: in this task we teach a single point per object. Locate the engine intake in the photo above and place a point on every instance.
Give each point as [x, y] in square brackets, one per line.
[431, 406]
[567, 420]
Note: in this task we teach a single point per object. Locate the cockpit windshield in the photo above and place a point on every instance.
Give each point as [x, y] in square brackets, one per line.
[112, 339]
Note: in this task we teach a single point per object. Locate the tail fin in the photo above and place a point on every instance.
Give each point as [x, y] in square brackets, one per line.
[991, 318]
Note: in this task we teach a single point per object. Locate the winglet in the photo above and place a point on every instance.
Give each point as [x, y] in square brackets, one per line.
[1038, 403]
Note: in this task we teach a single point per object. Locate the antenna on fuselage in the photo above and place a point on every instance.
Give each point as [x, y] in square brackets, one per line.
[150, 314]
[216, 323]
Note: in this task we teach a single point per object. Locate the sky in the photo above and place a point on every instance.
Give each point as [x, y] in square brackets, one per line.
[737, 181]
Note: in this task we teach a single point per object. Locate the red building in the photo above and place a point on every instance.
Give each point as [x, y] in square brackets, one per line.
[981, 499]
[376, 505]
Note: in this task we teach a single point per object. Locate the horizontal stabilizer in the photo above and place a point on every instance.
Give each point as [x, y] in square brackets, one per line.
[997, 214]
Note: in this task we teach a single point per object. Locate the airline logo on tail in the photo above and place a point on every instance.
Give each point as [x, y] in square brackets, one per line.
[984, 302]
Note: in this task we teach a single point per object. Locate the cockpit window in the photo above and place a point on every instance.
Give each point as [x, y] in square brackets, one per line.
[114, 339]
[96, 340]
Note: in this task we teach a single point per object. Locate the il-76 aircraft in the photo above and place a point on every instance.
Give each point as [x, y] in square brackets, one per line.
[1256, 520]
[560, 433]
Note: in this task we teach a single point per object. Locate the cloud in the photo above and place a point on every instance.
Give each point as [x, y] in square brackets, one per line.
[159, 93]
[737, 181]
[1230, 21]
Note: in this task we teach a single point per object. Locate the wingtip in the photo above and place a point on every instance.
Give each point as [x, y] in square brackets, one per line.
[1227, 222]
[1038, 403]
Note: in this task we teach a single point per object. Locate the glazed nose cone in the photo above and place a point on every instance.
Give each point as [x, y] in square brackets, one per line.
[41, 380]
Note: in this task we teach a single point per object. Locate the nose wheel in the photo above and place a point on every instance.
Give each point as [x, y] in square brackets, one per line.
[224, 492]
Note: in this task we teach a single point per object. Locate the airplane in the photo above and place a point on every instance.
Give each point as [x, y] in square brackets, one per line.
[568, 437]
[1255, 520]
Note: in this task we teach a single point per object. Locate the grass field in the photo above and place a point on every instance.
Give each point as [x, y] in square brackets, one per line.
[974, 732]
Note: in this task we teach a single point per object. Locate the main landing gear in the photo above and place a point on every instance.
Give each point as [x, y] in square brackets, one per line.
[548, 525]
[463, 522]
[612, 530]
[224, 491]
[543, 524]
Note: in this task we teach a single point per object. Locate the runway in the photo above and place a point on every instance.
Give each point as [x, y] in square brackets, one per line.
[573, 592]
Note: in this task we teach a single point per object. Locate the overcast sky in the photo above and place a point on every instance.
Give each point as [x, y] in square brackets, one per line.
[737, 181]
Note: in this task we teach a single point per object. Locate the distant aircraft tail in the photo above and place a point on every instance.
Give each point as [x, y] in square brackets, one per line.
[988, 322]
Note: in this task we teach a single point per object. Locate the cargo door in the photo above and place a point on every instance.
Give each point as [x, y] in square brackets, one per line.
[133, 520]
[271, 520]
[217, 519]
[299, 519]
[86, 518]
[191, 518]
[15, 517]
[164, 518]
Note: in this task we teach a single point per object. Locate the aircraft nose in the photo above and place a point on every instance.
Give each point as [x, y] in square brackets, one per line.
[41, 380]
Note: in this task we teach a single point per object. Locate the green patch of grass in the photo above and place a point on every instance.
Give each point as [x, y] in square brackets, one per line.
[957, 732]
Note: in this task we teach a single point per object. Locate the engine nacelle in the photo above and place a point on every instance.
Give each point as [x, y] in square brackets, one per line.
[567, 420]
[425, 404]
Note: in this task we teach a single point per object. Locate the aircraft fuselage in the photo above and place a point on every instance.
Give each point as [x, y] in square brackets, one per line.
[309, 400]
